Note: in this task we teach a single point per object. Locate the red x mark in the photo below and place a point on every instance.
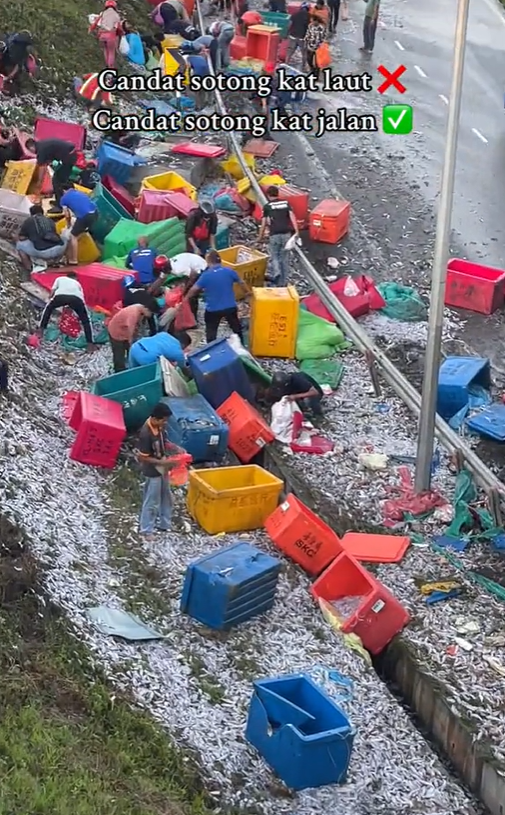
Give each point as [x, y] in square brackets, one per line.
[392, 79]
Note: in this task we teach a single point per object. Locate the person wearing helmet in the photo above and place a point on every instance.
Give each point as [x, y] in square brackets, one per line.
[141, 260]
[247, 19]
[296, 387]
[201, 228]
[298, 25]
[108, 28]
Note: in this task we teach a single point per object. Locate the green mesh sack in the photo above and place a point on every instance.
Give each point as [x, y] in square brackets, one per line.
[402, 303]
[317, 338]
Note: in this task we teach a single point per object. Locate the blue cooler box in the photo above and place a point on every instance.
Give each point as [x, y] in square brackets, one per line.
[218, 372]
[195, 426]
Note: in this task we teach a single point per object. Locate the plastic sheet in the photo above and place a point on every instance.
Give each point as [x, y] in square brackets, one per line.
[402, 303]
[317, 338]
[324, 371]
[117, 623]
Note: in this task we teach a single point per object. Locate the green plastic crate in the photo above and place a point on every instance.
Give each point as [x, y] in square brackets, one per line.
[138, 391]
[278, 20]
[110, 212]
[167, 237]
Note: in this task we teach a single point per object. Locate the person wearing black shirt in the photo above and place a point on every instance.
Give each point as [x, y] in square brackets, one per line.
[38, 239]
[49, 150]
[201, 228]
[297, 30]
[13, 60]
[279, 219]
[334, 10]
[297, 387]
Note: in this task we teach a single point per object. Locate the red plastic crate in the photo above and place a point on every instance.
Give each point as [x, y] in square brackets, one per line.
[120, 193]
[302, 536]
[283, 51]
[262, 44]
[22, 138]
[181, 204]
[238, 47]
[248, 431]
[54, 129]
[189, 148]
[474, 287]
[102, 285]
[298, 200]
[372, 612]
[329, 221]
[100, 430]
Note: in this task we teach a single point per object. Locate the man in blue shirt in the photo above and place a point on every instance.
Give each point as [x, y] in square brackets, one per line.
[217, 283]
[141, 260]
[80, 205]
[149, 350]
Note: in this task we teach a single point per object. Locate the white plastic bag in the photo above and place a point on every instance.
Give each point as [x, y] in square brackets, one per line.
[281, 422]
[350, 288]
[124, 46]
[92, 18]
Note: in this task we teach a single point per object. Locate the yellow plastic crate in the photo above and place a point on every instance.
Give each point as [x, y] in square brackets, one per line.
[232, 499]
[272, 181]
[172, 41]
[18, 176]
[251, 271]
[167, 182]
[87, 250]
[274, 322]
[232, 166]
[86, 190]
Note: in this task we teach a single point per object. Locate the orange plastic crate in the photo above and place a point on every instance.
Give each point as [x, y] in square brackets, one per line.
[248, 431]
[303, 536]
[329, 221]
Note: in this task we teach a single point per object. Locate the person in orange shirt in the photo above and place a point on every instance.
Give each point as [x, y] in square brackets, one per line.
[122, 329]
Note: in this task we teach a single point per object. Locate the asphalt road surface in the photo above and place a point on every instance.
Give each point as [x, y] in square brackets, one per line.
[393, 180]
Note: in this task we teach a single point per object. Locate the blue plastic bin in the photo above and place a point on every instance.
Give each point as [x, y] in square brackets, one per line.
[489, 422]
[218, 371]
[138, 390]
[456, 376]
[195, 426]
[116, 161]
[230, 586]
[299, 731]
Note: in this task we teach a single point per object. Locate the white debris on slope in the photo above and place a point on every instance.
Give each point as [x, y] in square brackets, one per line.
[64, 508]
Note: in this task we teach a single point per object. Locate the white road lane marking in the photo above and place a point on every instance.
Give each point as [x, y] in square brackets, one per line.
[420, 71]
[479, 135]
[443, 98]
[399, 46]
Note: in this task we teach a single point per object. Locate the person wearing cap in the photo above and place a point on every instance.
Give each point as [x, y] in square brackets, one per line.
[201, 228]
[141, 260]
[223, 33]
[298, 25]
[297, 387]
[217, 285]
[108, 28]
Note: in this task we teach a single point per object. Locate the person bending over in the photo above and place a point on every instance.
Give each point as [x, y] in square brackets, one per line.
[67, 291]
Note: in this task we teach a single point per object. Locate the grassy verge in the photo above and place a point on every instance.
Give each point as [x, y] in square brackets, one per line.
[60, 30]
[67, 746]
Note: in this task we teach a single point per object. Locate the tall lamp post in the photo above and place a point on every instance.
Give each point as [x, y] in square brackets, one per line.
[439, 274]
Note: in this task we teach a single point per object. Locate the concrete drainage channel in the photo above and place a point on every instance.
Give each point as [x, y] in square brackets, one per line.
[398, 666]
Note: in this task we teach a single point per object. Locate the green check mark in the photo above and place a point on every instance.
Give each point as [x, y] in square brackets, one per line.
[397, 119]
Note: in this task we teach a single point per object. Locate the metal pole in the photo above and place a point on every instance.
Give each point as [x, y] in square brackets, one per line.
[439, 273]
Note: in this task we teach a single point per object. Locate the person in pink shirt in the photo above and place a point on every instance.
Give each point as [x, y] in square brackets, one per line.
[122, 329]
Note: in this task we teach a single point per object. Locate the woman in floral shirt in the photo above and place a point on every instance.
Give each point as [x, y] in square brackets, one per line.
[315, 36]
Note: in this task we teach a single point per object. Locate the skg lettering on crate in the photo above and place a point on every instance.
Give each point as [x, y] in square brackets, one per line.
[308, 545]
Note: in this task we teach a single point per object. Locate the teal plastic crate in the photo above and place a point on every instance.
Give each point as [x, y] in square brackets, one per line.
[138, 391]
[110, 212]
[222, 236]
[277, 19]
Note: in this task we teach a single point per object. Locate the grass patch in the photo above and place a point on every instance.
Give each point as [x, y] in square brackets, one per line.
[60, 30]
[67, 746]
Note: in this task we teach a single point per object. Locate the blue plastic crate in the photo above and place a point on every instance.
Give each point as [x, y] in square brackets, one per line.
[489, 422]
[116, 161]
[300, 732]
[195, 426]
[218, 371]
[230, 586]
[456, 376]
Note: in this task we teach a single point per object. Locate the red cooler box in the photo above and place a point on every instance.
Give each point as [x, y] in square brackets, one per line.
[474, 287]
[329, 221]
[364, 605]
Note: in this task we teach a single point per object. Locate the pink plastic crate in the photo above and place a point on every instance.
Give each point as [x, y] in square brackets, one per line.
[154, 206]
[100, 430]
[181, 204]
[102, 285]
[366, 607]
[54, 129]
[120, 193]
[474, 287]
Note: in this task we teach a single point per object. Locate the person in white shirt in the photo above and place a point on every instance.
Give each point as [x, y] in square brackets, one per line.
[67, 291]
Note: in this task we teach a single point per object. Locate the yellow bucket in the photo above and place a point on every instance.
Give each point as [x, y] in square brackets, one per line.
[232, 166]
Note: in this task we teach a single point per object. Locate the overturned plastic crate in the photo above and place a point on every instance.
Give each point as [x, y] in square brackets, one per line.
[110, 212]
[117, 162]
[196, 427]
[138, 390]
[167, 237]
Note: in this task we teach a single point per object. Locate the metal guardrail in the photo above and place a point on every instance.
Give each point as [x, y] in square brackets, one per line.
[452, 442]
